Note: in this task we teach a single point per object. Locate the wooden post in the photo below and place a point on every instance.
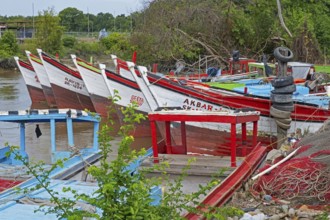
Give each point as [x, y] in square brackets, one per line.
[244, 143]
[168, 137]
[255, 133]
[70, 131]
[184, 136]
[233, 145]
[22, 137]
[154, 140]
[96, 136]
[53, 135]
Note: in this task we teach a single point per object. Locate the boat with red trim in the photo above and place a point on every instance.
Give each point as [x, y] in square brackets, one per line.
[68, 87]
[32, 83]
[129, 92]
[43, 78]
[96, 86]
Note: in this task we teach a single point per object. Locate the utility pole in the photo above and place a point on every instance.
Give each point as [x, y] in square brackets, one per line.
[32, 20]
[88, 21]
[114, 22]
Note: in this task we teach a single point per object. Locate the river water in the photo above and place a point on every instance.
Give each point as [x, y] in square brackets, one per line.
[14, 96]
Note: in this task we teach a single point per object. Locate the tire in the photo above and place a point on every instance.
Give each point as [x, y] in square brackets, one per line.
[276, 113]
[285, 90]
[285, 121]
[283, 58]
[282, 81]
[288, 107]
[280, 98]
[283, 125]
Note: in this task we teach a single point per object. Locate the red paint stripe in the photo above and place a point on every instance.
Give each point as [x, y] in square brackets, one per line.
[60, 66]
[25, 65]
[122, 80]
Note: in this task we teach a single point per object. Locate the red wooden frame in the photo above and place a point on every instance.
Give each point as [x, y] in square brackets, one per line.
[197, 116]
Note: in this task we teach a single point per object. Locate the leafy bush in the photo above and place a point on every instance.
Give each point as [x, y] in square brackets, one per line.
[119, 44]
[8, 44]
[69, 41]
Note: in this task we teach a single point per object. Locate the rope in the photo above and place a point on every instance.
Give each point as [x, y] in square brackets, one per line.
[76, 152]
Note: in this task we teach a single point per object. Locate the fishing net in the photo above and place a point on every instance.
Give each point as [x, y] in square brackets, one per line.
[304, 178]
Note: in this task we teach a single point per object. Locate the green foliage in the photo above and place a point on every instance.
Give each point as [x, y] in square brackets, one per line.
[48, 33]
[119, 44]
[29, 44]
[167, 31]
[73, 19]
[69, 41]
[84, 49]
[322, 69]
[8, 44]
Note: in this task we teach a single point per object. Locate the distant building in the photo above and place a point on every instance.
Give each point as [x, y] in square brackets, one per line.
[103, 33]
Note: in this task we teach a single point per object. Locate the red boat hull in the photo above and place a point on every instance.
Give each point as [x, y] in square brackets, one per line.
[37, 97]
[48, 92]
[212, 142]
[68, 99]
[141, 129]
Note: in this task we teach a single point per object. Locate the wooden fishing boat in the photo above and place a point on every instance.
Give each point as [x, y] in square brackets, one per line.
[15, 205]
[68, 87]
[304, 116]
[129, 92]
[12, 172]
[96, 86]
[32, 83]
[43, 78]
[225, 190]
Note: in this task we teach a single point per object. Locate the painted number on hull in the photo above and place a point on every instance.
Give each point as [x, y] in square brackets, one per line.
[137, 99]
[73, 83]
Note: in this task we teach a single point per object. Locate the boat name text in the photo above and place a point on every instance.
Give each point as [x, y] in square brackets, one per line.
[193, 104]
[137, 99]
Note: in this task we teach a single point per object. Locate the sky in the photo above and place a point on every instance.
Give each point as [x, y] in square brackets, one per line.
[32, 7]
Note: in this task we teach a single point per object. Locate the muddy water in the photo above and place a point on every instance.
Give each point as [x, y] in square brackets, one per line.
[14, 96]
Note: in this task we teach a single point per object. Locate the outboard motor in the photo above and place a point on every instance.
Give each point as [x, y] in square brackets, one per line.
[235, 55]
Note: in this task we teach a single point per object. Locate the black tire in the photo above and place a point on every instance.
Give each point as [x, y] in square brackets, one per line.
[285, 90]
[288, 107]
[282, 81]
[284, 58]
[280, 98]
[276, 113]
[282, 125]
[285, 121]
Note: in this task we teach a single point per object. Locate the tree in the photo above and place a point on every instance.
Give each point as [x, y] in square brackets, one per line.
[119, 44]
[49, 32]
[73, 19]
[8, 44]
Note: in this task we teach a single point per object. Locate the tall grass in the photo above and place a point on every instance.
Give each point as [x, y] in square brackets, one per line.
[323, 69]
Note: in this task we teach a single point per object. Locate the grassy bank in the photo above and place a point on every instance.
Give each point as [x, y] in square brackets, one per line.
[322, 68]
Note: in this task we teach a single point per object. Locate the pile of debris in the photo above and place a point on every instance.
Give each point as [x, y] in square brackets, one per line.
[294, 184]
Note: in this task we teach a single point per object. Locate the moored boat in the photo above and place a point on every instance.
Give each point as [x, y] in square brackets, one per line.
[43, 78]
[96, 86]
[129, 92]
[304, 116]
[12, 171]
[32, 83]
[67, 84]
